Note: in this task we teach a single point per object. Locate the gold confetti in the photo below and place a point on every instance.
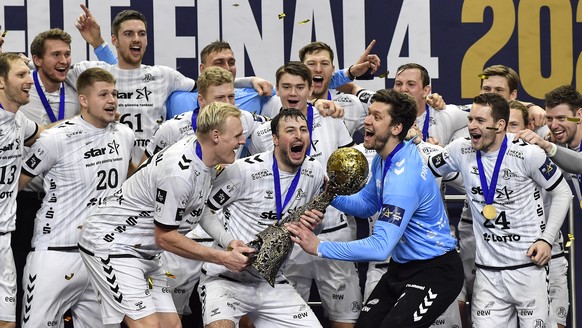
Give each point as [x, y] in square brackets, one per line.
[67, 277]
[281, 15]
[170, 275]
[150, 283]
[570, 240]
[573, 119]
[384, 75]
[483, 76]
[305, 21]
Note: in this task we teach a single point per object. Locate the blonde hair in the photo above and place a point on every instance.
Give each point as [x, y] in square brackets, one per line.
[213, 76]
[214, 116]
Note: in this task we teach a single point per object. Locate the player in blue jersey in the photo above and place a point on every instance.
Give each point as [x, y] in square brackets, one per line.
[425, 274]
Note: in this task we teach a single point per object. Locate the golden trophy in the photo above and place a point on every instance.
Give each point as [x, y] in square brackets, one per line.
[347, 170]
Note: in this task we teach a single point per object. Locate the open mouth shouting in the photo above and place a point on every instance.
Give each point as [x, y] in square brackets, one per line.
[297, 152]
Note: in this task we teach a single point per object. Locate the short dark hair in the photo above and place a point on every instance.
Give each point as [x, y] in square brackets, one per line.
[402, 108]
[6, 60]
[126, 15]
[285, 114]
[314, 47]
[216, 46]
[504, 71]
[37, 46]
[92, 75]
[294, 68]
[499, 106]
[423, 72]
[565, 94]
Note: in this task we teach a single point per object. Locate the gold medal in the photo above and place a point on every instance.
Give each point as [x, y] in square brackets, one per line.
[581, 204]
[489, 212]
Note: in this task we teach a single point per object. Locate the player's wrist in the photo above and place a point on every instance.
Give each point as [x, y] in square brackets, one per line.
[544, 240]
[551, 149]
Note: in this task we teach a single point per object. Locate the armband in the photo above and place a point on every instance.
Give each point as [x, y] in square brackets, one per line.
[553, 151]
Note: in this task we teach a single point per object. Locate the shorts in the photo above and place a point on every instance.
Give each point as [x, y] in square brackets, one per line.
[337, 281]
[499, 296]
[467, 252]
[7, 280]
[225, 299]
[53, 282]
[129, 286]
[559, 298]
[375, 272]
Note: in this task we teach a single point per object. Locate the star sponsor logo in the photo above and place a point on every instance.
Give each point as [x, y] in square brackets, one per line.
[143, 93]
[113, 147]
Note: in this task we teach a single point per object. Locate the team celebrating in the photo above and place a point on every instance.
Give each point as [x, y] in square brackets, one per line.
[126, 188]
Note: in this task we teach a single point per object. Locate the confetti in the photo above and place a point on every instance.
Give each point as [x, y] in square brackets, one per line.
[573, 119]
[570, 240]
[281, 15]
[170, 275]
[384, 75]
[235, 5]
[305, 21]
[483, 76]
[150, 283]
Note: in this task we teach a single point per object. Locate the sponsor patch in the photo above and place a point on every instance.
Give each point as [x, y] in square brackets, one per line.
[391, 214]
[180, 214]
[33, 161]
[548, 169]
[221, 197]
[438, 160]
[161, 196]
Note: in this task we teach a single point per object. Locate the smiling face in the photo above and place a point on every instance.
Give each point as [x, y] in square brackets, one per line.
[480, 120]
[563, 130]
[99, 104]
[131, 42]
[15, 88]
[321, 66]
[291, 141]
[294, 92]
[409, 81]
[499, 85]
[229, 140]
[54, 64]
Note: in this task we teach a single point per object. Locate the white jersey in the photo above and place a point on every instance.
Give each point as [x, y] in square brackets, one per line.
[82, 165]
[328, 135]
[15, 129]
[503, 241]
[35, 111]
[245, 192]
[181, 126]
[354, 110]
[169, 191]
[142, 95]
[445, 125]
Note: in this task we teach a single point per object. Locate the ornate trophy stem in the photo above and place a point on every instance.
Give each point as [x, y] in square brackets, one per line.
[347, 170]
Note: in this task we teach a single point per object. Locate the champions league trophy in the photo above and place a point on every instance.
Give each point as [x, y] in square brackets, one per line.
[347, 170]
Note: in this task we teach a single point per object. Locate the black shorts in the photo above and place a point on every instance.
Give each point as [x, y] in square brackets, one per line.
[413, 294]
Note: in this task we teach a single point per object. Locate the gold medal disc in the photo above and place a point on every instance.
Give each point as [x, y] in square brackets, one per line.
[489, 212]
[581, 204]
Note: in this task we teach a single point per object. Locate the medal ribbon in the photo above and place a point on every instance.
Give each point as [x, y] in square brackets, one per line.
[290, 192]
[387, 164]
[194, 117]
[44, 100]
[310, 127]
[198, 150]
[489, 191]
[425, 125]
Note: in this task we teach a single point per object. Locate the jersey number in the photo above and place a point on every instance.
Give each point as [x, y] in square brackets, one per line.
[126, 120]
[7, 174]
[107, 179]
[500, 220]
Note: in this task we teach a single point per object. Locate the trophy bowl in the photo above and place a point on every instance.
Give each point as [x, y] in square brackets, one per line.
[347, 170]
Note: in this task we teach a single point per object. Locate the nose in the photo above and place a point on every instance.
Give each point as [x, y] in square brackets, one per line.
[367, 120]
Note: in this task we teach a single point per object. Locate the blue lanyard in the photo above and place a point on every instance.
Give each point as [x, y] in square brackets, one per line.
[387, 164]
[310, 127]
[489, 191]
[426, 124]
[198, 150]
[44, 100]
[290, 192]
[194, 117]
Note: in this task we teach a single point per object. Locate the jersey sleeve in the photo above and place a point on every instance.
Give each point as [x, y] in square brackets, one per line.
[444, 162]
[169, 209]
[398, 206]
[226, 188]
[178, 82]
[180, 102]
[104, 53]
[543, 171]
[339, 78]
[344, 137]
[43, 155]
[160, 139]
[30, 128]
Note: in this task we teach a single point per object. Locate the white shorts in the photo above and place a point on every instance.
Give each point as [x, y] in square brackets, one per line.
[451, 318]
[7, 280]
[499, 296]
[129, 286]
[337, 281]
[53, 282]
[375, 272]
[467, 253]
[281, 306]
[559, 298]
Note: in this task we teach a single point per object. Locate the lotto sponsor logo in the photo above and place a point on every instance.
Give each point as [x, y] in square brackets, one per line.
[503, 239]
[6, 194]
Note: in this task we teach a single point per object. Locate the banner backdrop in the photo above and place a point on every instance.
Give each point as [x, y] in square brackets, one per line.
[453, 39]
